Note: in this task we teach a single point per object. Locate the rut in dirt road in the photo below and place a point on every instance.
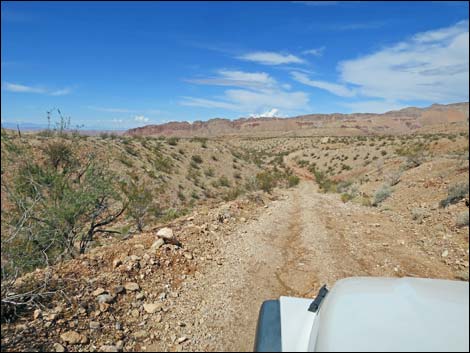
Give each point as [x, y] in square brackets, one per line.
[285, 252]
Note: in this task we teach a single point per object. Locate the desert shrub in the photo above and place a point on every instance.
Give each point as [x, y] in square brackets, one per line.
[419, 214]
[343, 186]
[214, 158]
[172, 213]
[209, 172]
[59, 154]
[181, 195]
[125, 160]
[140, 203]
[201, 140]
[237, 175]
[223, 181]
[232, 194]
[196, 159]
[130, 149]
[266, 181]
[462, 219]
[455, 193]
[162, 163]
[345, 197]
[325, 184]
[364, 201]
[173, 141]
[381, 194]
[56, 209]
[414, 155]
[293, 180]
[394, 178]
[251, 184]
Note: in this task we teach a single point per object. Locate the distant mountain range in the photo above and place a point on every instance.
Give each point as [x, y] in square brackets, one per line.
[435, 118]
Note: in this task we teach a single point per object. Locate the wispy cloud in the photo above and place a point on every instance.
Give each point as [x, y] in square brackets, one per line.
[339, 90]
[271, 58]
[314, 51]
[20, 88]
[237, 79]
[15, 87]
[255, 92]
[141, 119]
[61, 92]
[430, 66]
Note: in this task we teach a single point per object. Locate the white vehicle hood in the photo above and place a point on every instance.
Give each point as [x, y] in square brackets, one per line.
[380, 314]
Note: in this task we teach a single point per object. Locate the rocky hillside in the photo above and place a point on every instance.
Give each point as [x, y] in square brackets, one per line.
[436, 118]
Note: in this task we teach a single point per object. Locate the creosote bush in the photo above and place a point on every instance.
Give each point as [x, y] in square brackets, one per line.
[382, 194]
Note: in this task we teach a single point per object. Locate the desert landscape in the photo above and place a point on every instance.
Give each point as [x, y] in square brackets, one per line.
[234, 176]
[227, 220]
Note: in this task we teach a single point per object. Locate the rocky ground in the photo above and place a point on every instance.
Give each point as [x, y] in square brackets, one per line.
[198, 285]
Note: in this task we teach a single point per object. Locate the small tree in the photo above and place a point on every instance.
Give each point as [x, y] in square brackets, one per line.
[56, 207]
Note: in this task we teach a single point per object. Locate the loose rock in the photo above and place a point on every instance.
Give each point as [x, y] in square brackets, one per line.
[165, 233]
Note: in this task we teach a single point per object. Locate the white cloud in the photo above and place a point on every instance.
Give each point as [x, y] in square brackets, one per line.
[141, 119]
[271, 58]
[255, 92]
[61, 92]
[314, 51]
[267, 114]
[19, 88]
[334, 88]
[238, 79]
[14, 87]
[431, 66]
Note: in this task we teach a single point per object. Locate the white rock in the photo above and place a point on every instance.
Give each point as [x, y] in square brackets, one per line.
[105, 298]
[152, 308]
[157, 244]
[72, 337]
[165, 233]
[58, 347]
[445, 253]
[98, 292]
[131, 286]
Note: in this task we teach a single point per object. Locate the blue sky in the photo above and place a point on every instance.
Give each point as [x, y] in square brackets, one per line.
[117, 65]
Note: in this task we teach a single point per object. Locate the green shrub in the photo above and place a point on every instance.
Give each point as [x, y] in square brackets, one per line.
[56, 208]
[381, 194]
[140, 203]
[223, 181]
[209, 172]
[173, 141]
[196, 159]
[266, 181]
[293, 180]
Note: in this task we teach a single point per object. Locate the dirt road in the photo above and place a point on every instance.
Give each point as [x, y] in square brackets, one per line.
[292, 247]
